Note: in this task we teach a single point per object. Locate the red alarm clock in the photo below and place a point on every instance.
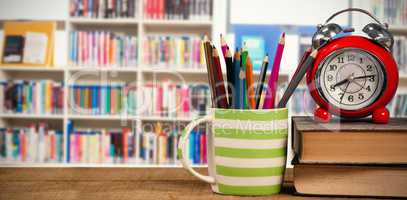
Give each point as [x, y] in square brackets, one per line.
[354, 75]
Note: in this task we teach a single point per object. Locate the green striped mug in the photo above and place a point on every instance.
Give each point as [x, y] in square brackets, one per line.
[246, 150]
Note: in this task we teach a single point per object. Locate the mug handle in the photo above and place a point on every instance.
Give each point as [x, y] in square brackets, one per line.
[182, 148]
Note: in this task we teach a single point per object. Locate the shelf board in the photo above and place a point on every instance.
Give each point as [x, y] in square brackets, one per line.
[166, 119]
[398, 28]
[174, 70]
[101, 117]
[154, 22]
[31, 116]
[102, 69]
[32, 69]
[96, 21]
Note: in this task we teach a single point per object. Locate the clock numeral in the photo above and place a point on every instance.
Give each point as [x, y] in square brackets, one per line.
[361, 96]
[369, 68]
[332, 67]
[368, 88]
[332, 88]
[340, 60]
[351, 57]
[350, 98]
[330, 77]
[371, 79]
[361, 60]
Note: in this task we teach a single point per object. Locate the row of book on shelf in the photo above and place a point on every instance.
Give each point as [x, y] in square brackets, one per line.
[390, 11]
[400, 52]
[165, 99]
[155, 146]
[179, 10]
[40, 144]
[104, 8]
[35, 143]
[31, 97]
[102, 48]
[170, 51]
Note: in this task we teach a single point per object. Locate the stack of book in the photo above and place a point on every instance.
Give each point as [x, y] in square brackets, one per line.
[104, 8]
[175, 100]
[110, 99]
[31, 97]
[159, 145]
[350, 158]
[173, 51]
[102, 48]
[398, 106]
[400, 52]
[35, 143]
[181, 10]
[391, 11]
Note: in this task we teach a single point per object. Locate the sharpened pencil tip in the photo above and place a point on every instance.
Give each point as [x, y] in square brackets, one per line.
[205, 39]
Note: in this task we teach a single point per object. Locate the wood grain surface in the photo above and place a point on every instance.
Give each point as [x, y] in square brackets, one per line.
[116, 183]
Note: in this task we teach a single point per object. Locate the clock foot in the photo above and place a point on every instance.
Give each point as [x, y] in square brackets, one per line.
[321, 115]
[381, 116]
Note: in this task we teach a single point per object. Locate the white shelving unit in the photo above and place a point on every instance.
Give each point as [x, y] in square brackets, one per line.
[140, 72]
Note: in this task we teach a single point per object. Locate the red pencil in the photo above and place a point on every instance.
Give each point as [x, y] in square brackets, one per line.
[269, 101]
[224, 46]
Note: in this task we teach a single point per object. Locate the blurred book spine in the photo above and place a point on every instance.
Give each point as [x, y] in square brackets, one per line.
[175, 100]
[102, 48]
[393, 12]
[35, 143]
[31, 97]
[159, 145]
[102, 145]
[174, 51]
[110, 99]
[400, 53]
[104, 8]
[178, 10]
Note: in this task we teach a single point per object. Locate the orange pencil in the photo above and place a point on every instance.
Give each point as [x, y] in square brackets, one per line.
[250, 83]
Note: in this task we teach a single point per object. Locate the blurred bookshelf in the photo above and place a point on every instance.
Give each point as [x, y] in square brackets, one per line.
[138, 73]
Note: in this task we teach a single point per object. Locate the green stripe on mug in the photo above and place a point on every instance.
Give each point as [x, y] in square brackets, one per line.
[250, 172]
[249, 153]
[251, 134]
[253, 115]
[249, 190]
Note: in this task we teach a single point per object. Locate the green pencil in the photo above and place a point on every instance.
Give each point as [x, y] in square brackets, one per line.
[243, 60]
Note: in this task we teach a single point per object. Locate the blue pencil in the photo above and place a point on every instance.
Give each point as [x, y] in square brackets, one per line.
[237, 86]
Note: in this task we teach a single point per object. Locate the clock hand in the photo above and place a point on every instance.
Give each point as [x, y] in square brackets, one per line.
[344, 92]
[362, 77]
[340, 82]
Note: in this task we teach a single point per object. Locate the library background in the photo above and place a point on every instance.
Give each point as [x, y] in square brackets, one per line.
[121, 80]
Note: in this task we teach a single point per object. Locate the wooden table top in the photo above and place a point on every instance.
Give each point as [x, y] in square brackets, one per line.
[116, 183]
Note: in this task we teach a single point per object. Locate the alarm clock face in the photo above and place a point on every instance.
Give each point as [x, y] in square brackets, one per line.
[350, 79]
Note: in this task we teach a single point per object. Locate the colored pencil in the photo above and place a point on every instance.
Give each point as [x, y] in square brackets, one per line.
[243, 60]
[295, 80]
[236, 100]
[260, 82]
[221, 96]
[210, 69]
[229, 75]
[269, 101]
[224, 46]
[250, 83]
